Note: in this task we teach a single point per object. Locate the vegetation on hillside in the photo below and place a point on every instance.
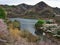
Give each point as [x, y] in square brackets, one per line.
[2, 13]
[50, 28]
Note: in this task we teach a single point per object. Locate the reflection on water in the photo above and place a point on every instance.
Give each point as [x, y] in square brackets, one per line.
[26, 24]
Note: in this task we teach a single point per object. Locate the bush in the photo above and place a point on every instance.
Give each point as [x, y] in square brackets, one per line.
[39, 23]
[38, 26]
[16, 24]
[2, 13]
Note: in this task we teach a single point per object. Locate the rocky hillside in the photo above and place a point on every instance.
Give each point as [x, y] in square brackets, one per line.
[39, 10]
[16, 11]
[57, 10]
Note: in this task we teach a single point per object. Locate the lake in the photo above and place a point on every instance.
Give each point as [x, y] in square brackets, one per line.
[26, 24]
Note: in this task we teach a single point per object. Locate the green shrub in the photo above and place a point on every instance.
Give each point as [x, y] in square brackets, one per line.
[38, 26]
[39, 23]
[2, 13]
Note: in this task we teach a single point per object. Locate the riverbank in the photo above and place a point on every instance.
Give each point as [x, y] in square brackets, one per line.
[13, 37]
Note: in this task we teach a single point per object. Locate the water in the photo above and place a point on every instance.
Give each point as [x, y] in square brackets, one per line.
[26, 24]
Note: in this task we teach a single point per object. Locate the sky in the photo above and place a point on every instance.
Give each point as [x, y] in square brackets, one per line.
[53, 3]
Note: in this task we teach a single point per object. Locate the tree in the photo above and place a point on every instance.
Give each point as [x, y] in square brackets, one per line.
[38, 26]
[39, 23]
[2, 13]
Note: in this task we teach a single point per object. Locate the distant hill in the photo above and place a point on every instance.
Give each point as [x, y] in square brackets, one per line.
[40, 10]
[16, 11]
[57, 10]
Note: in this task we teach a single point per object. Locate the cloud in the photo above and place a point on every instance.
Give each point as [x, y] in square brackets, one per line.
[53, 3]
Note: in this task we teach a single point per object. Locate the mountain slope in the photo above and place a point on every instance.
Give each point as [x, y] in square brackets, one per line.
[57, 10]
[40, 10]
[16, 11]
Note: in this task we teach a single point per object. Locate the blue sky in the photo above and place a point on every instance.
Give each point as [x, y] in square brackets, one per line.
[53, 3]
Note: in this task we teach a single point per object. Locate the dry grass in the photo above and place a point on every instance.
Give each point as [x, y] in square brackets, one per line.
[29, 36]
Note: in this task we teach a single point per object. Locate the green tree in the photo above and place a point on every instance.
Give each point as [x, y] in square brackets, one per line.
[2, 13]
[38, 26]
[39, 23]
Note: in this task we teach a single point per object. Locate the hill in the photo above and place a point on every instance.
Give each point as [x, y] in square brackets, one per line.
[40, 10]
